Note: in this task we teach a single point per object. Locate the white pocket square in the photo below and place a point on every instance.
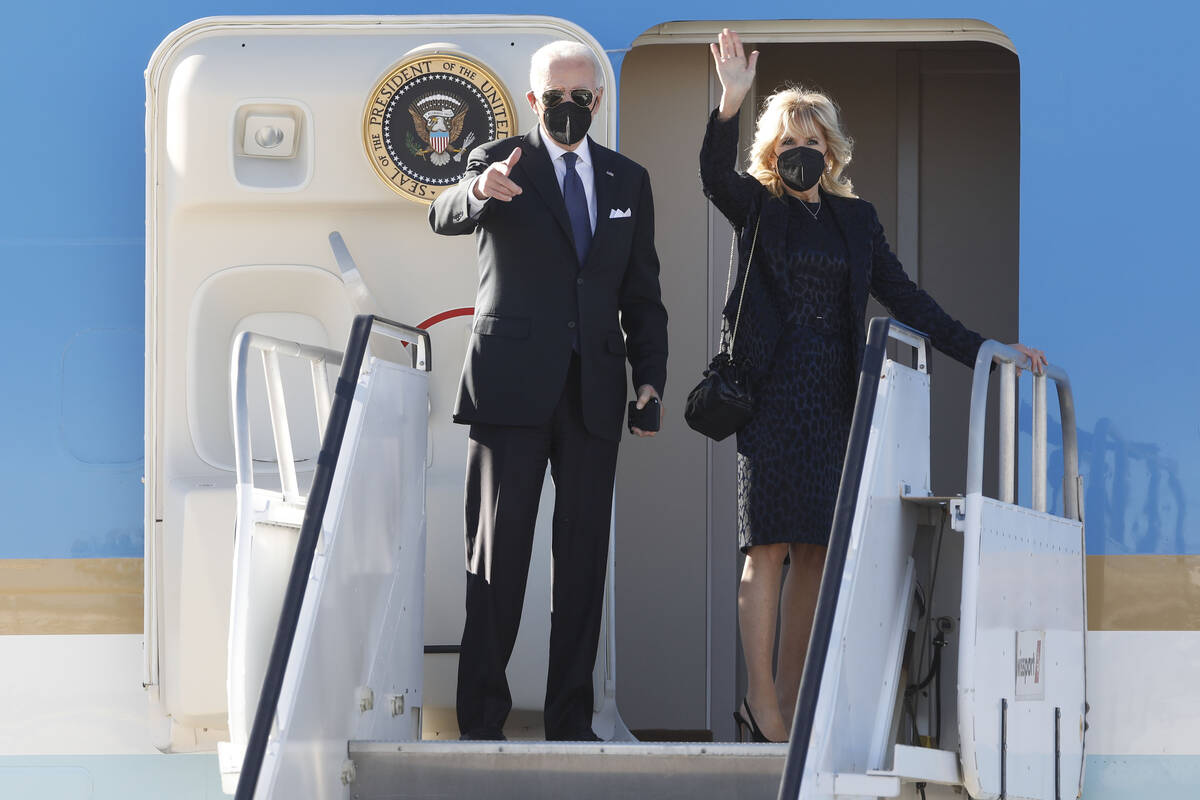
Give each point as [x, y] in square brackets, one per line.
[617, 213]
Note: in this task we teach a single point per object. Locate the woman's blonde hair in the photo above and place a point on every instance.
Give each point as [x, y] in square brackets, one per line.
[797, 111]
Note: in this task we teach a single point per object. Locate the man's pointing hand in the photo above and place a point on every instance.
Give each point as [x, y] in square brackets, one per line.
[494, 182]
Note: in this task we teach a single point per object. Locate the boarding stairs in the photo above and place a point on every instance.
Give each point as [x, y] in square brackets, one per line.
[326, 651]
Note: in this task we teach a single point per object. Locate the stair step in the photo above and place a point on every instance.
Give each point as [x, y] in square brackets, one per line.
[924, 765]
[929, 500]
[553, 770]
[932, 506]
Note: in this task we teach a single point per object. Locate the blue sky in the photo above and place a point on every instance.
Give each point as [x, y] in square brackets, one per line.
[1108, 279]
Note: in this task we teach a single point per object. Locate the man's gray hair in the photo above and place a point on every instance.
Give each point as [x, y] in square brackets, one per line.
[562, 50]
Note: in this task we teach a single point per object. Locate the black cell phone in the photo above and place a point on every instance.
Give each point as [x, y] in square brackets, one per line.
[646, 418]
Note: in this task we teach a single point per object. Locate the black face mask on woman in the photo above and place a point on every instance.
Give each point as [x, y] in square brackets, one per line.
[567, 122]
[800, 168]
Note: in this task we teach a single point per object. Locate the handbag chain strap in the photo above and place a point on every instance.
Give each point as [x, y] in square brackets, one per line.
[745, 280]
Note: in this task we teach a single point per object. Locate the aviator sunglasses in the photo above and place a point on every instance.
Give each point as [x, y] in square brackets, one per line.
[580, 97]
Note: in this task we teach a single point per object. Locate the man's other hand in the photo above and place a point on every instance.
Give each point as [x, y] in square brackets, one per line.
[645, 392]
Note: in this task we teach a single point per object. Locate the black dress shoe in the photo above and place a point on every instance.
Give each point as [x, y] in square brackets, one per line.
[483, 735]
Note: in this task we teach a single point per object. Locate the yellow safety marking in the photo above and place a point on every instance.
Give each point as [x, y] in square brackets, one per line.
[70, 595]
[1143, 593]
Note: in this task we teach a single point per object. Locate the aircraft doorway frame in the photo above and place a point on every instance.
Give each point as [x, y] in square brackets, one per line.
[723, 563]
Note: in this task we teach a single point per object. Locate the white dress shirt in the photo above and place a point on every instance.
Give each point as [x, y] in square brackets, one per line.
[583, 166]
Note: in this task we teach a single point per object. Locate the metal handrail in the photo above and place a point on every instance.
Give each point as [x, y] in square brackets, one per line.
[879, 332]
[271, 348]
[1008, 359]
[363, 327]
[912, 337]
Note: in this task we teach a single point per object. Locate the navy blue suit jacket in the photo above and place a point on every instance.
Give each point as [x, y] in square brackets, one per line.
[535, 298]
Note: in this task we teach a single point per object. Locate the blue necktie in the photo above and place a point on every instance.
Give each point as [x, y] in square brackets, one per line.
[577, 207]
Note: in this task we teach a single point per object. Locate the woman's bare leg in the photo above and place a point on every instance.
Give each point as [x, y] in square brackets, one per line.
[797, 608]
[758, 604]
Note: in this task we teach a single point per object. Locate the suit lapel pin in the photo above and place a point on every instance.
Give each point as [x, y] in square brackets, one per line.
[609, 174]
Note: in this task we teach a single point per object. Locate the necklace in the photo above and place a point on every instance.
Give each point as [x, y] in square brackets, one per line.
[807, 208]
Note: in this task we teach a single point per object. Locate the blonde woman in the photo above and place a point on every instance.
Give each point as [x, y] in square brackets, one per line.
[818, 251]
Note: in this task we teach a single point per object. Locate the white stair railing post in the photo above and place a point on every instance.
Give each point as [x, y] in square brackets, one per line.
[1008, 433]
[320, 375]
[1039, 442]
[279, 426]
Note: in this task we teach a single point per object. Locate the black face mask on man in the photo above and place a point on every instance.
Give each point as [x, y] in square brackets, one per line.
[567, 122]
[800, 168]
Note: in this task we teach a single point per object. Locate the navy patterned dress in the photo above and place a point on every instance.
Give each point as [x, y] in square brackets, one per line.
[801, 336]
[790, 454]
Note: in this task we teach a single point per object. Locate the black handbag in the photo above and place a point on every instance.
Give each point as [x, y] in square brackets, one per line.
[721, 403]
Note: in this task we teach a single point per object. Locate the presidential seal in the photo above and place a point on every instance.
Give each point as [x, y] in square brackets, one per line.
[426, 115]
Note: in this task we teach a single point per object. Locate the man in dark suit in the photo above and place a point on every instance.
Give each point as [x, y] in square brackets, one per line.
[565, 232]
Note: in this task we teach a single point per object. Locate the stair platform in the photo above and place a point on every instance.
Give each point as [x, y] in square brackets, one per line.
[517, 770]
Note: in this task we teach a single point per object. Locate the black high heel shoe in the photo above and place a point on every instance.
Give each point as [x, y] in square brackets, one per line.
[749, 724]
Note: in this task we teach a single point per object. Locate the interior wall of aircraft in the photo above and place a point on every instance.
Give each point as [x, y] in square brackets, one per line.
[936, 129]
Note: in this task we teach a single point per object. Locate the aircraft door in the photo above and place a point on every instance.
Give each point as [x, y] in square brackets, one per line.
[265, 136]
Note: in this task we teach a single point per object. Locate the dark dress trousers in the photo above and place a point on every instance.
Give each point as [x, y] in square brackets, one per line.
[544, 381]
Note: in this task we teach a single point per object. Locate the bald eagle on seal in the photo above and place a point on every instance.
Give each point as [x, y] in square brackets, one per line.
[439, 131]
